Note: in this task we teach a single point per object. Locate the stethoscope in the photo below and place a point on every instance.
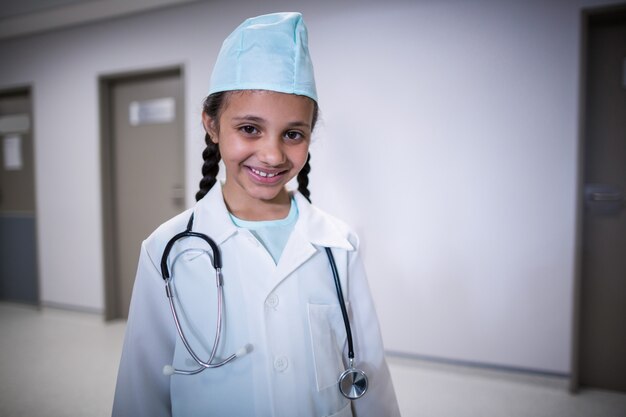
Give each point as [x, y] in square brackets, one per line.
[352, 382]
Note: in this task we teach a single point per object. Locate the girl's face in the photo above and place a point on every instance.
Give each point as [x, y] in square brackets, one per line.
[264, 139]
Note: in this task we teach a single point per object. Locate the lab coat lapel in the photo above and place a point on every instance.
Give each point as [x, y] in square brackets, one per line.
[211, 216]
[319, 228]
[313, 231]
[298, 250]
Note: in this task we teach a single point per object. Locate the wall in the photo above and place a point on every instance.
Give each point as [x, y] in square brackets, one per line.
[448, 140]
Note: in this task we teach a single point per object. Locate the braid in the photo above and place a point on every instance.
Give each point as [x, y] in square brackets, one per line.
[210, 168]
[213, 105]
[303, 175]
[303, 179]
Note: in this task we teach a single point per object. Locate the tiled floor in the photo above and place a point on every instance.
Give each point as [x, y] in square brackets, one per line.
[57, 363]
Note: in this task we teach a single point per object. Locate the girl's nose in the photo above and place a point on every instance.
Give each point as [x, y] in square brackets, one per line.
[271, 152]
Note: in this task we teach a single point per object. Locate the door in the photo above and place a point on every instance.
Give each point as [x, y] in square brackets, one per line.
[18, 266]
[602, 343]
[146, 171]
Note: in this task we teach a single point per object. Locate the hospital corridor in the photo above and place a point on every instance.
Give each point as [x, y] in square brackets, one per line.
[438, 184]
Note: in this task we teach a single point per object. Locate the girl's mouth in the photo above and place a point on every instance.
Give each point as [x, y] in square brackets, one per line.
[265, 177]
[264, 174]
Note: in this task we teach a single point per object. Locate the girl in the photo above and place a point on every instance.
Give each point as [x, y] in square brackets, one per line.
[281, 308]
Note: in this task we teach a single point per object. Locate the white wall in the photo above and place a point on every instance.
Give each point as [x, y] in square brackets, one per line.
[448, 140]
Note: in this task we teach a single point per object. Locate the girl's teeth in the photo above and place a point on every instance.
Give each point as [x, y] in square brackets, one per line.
[263, 174]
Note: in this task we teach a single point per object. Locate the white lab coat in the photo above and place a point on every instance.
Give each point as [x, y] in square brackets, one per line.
[288, 313]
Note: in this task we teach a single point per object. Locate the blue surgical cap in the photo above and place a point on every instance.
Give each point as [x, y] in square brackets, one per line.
[268, 52]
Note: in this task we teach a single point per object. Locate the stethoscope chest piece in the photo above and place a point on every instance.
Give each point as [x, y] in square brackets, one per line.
[353, 383]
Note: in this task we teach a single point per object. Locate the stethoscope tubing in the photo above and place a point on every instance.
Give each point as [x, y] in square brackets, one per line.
[217, 264]
[216, 259]
[342, 303]
[218, 331]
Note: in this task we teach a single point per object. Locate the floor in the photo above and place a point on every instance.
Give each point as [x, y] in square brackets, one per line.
[58, 363]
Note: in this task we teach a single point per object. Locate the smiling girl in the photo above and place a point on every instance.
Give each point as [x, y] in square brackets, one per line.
[281, 301]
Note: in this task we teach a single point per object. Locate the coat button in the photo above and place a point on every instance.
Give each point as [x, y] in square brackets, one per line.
[272, 301]
[281, 363]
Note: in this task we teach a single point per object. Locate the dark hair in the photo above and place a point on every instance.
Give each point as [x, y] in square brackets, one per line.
[213, 106]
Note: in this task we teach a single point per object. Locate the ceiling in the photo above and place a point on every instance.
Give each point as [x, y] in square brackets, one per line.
[11, 8]
[25, 17]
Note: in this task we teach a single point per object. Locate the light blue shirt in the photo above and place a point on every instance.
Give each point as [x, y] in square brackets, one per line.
[273, 234]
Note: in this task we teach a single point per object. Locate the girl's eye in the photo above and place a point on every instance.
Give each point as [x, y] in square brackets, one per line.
[293, 135]
[250, 130]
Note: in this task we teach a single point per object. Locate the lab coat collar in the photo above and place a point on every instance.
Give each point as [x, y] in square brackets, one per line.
[211, 216]
[313, 230]
[313, 225]
[319, 228]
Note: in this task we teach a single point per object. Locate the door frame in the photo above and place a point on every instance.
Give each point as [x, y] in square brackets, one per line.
[109, 235]
[29, 90]
[586, 16]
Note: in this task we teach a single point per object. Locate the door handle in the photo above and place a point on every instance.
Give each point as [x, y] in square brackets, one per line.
[604, 199]
[613, 197]
[178, 196]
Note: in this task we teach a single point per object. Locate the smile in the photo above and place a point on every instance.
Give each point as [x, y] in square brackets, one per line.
[264, 174]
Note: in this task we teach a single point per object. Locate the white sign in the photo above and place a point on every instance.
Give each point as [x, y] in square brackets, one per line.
[160, 110]
[14, 123]
[12, 147]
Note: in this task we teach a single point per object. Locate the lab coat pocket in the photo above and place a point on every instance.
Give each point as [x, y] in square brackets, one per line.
[327, 341]
[344, 412]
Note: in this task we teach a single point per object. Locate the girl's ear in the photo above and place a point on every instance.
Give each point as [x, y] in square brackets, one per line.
[209, 126]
